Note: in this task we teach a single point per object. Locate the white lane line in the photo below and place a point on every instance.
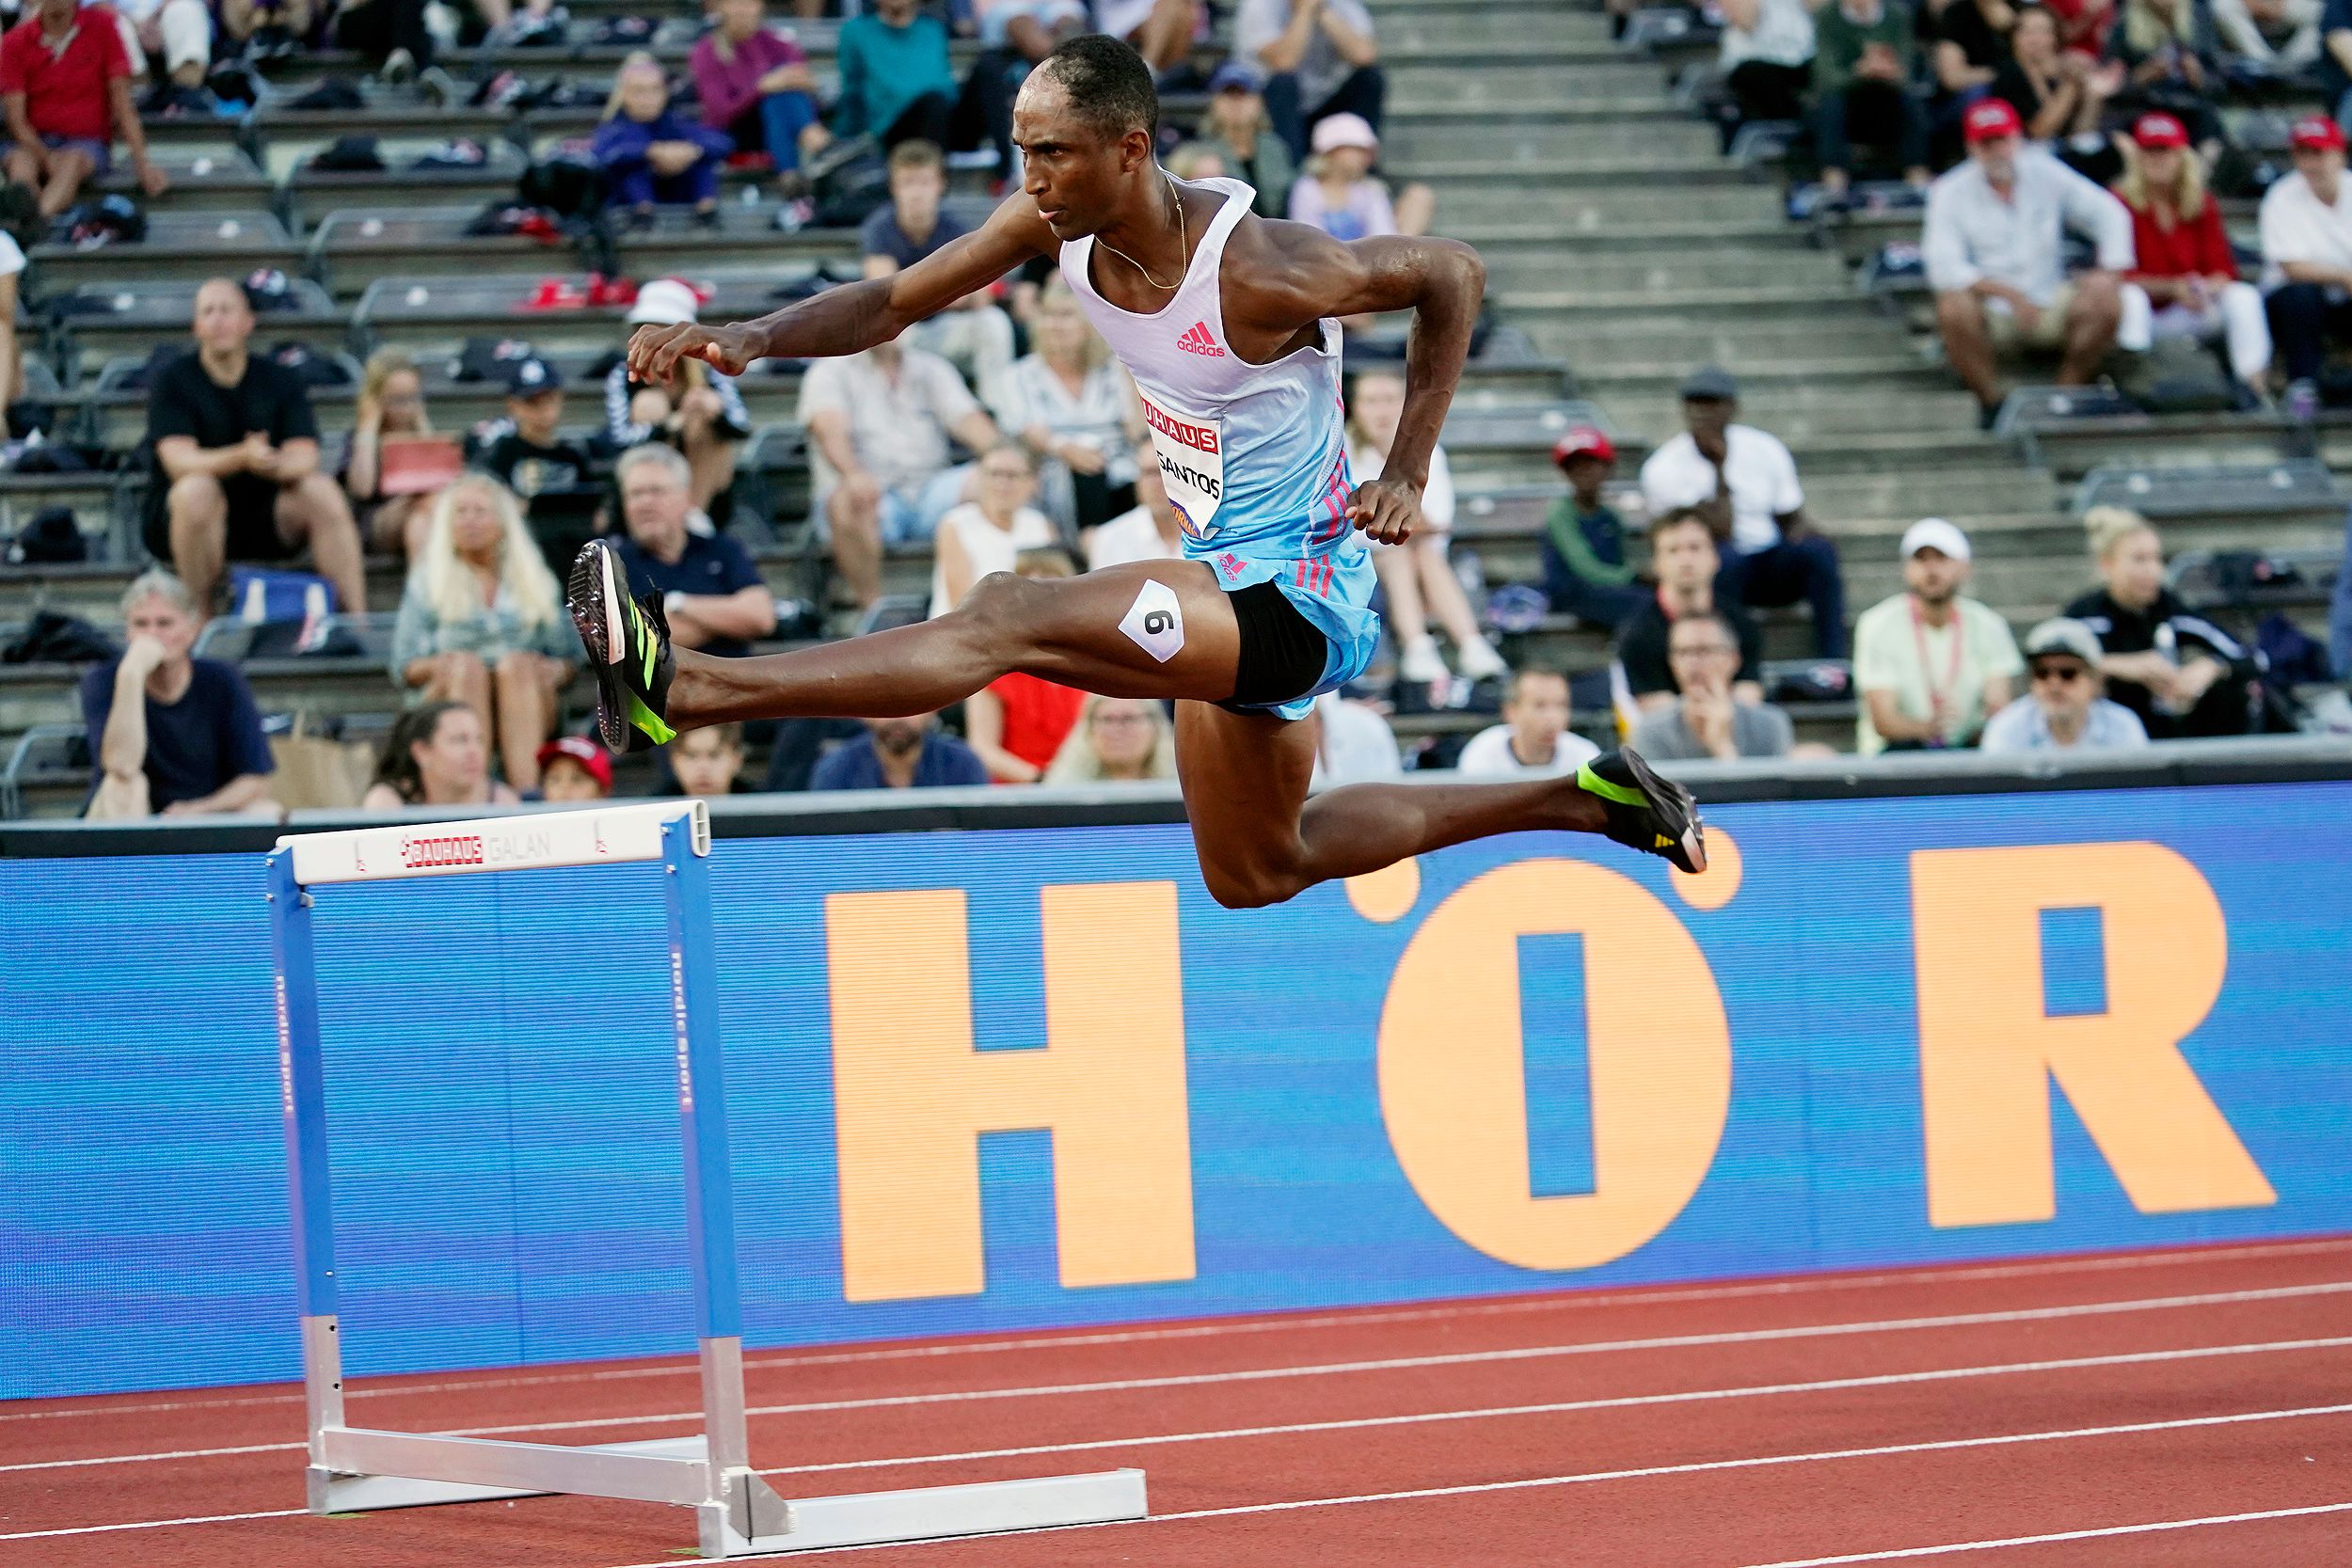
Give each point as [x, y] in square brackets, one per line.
[1645, 1473]
[166, 1523]
[1556, 1407]
[1952, 1548]
[1324, 1368]
[1562, 1302]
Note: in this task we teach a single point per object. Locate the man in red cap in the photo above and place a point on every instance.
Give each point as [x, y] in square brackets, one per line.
[2183, 281]
[1995, 254]
[2307, 256]
[1585, 572]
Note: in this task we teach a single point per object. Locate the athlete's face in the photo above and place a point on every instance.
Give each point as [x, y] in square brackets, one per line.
[706, 762]
[1077, 174]
[1934, 575]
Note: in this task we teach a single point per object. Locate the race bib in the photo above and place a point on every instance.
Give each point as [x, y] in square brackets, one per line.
[1192, 466]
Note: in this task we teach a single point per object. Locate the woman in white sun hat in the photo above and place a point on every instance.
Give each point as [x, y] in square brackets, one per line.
[701, 413]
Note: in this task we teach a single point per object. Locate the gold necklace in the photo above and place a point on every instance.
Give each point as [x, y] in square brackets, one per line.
[1183, 243]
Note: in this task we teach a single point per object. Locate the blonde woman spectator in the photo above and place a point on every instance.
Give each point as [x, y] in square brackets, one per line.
[2183, 282]
[989, 534]
[435, 756]
[1075, 411]
[1340, 196]
[1242, 133]
[391, 404]
[2178, 673]
[1416, 574]
[1117, 738]
[481, 622]
[1017, 723]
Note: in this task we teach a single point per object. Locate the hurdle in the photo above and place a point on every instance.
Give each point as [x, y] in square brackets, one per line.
[356, 1469]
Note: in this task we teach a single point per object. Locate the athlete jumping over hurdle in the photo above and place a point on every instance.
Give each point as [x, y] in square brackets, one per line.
[1225, 320]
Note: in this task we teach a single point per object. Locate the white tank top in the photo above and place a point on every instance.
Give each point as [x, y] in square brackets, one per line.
[1253, 456]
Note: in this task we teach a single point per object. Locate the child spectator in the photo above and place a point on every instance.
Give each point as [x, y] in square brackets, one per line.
[1864, 55]
[435, 756]
[897, 84]
[1073, 406]
[2062, 709]
[526, 450]
[1238, 127]
[574, 771]
[66, 92]
[706, 762]
[698, 411]
[649, 152]
[754, 85]
[1931, 662]
[1017, 723]
[391, 403]
[2307, 255]
[481, 623]
[2183, 282]
[171, 734]
[988, 533]
[1150, 532]
[1338, 194]
[1585, 572]
[1117, 738]
[1534, 739]
[1415, 574]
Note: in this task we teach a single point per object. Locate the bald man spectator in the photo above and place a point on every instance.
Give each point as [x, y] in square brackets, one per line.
[65, 88]
[235, 473]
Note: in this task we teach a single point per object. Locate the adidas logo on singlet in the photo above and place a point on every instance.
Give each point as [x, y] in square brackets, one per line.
[1199, 341]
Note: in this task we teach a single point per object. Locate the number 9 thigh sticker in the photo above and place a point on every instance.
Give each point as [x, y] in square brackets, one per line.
[1156, 622]
[1192, 466]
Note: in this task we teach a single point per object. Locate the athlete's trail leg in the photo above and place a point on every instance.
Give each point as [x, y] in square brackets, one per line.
[1261, 840]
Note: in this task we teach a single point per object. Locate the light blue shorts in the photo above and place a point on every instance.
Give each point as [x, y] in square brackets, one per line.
[1333, 591]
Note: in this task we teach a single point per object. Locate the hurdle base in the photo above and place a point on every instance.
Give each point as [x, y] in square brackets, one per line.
[340, 1491]
[926, 1514]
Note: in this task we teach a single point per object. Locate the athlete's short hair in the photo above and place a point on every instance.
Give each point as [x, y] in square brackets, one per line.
[1107, 82]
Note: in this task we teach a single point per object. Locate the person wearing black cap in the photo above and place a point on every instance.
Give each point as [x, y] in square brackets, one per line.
[1744, 483]
[525, 450]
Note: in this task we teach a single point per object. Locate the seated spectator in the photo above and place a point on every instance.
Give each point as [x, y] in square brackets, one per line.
[574, 771]
[1071, 405]
[899, 753]
[1017, 723]
[435, 755]
[2307, 258]
[1338, 194]
[2183, 282]
[2169, 53]
[235, 472]
[1354, 744]
[1585, 572]
[1416, 577]
[1996, 257]
[711, 591]
[2340, 612]
[1243, 134]
[391, 403]
[1029, 29]
[2083, 26]
[1116, 739]
[878, 429]
[1320, 59]
[1162, 31]
[706, 762]
[2057, 94]
[699, 411]
[1534, 739]
[648, 153]
[526, 450]
[66, 92]
[1766, 55]
[171, 736]
[897, 84]
[1966, 41]
[1864, 57]
[1929, 662]
[1743, 481]
[2177, 672]
[179, 34]
[755, 84]
[1708, 719]
[2278, 38]
[481, 622]
[275, 26]
[1152, 531]
[988, 533]
[973, 335]
[1682, 556]
[390, 35]
[2062, 709]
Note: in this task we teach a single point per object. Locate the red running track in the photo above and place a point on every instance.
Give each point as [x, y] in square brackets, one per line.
[2184, 1407]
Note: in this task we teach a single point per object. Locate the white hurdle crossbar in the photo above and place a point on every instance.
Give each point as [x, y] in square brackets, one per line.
[354, 1470]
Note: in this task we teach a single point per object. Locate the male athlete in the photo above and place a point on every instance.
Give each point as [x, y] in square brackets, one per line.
[1224, 319]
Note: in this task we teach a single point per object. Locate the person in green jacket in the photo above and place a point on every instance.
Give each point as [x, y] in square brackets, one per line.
[1585, 572]
[1864, 52]
[895, 81]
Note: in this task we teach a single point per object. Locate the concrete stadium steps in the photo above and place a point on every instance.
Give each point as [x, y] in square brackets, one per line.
[1812, 415]
[1522, 281]
[1452, 129]
[1566, 247]
[1954, 458]
[1503, 24]
[1589, 197]
[1662, 333]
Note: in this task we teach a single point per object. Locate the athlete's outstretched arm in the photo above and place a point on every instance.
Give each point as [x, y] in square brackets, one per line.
[853, 316]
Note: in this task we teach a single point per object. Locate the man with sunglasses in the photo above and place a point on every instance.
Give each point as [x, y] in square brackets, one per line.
[2062, 709]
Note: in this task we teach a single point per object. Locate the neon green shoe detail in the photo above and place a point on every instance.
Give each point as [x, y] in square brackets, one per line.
[1588, 780]
[646, 722]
